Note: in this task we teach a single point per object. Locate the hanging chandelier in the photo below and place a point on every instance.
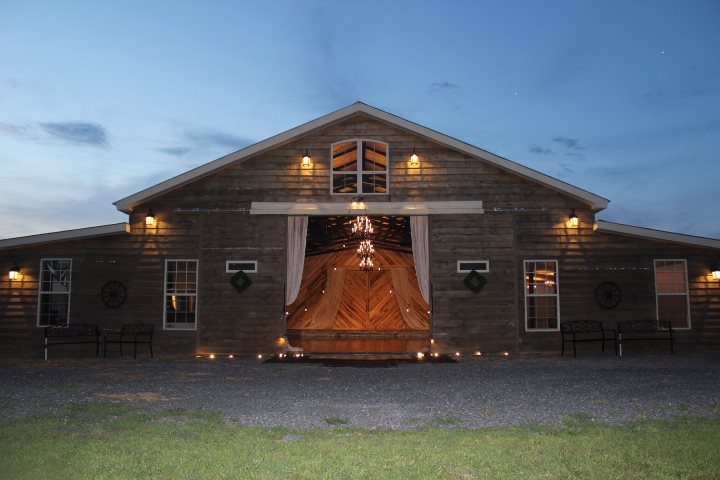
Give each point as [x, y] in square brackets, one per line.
[362, 229]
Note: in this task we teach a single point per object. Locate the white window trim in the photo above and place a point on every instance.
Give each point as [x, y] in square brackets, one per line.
[40, 290]
[228, 262]
[658, 294]
[359, 172]
[487, 262]
[197, 293]
[556, 295]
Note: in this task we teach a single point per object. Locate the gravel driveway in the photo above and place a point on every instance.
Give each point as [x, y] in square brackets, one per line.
[474, 392]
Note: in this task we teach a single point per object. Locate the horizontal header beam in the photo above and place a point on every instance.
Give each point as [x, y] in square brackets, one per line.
[369, 208]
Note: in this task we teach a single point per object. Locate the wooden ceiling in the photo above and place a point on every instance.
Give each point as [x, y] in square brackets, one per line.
[333, 234]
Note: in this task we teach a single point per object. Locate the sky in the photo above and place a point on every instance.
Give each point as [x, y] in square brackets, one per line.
[99, 100]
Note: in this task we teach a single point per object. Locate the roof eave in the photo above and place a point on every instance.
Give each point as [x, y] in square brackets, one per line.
[65, 235]
[657, 235]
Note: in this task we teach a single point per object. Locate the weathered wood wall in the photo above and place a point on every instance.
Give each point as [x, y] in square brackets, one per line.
[492, 320]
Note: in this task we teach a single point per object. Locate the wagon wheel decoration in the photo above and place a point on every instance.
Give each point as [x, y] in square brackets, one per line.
[608, 295]
[113, 294]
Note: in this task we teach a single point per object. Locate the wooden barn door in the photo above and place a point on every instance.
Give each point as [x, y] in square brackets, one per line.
[367, 303]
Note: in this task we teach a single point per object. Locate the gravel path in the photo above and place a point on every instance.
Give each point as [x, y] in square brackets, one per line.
[474, 392]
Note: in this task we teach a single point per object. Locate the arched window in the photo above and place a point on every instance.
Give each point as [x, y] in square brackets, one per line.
[365, 173]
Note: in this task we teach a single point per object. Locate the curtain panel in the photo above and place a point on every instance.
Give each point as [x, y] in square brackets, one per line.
[421, 253]
[297, 235]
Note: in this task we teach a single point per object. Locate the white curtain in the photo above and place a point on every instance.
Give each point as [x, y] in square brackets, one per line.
[324, 314]
[404, 299]
[421, 255]
[297, 234]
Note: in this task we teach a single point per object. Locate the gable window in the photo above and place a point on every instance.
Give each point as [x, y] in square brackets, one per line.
[359, 166]
[54, 291]
[180, 312]
[671, 292]
[542, 300]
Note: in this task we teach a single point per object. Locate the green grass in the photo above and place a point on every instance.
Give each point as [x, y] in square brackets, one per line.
[113, 441]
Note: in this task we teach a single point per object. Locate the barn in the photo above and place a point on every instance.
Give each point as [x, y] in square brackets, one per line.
[359, 232]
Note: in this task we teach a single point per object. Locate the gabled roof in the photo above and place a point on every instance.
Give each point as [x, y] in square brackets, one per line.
[126, 204]
[54, 237]
[660, 235]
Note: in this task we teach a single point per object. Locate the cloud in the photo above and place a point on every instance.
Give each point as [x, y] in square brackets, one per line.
[175, 151]
[217, 139]
[569, 143]
[437, 86]
[82, 133]
[15, 129]
[541, 151]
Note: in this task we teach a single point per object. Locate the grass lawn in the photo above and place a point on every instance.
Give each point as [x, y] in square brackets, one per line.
[113, 441]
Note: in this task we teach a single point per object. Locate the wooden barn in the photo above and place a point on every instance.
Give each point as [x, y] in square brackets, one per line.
[359, 231]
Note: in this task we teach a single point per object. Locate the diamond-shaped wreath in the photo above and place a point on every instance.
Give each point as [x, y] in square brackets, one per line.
[240, 281]
[474, 282]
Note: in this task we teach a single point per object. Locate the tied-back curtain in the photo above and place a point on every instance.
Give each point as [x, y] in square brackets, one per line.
[421, 255]
[404, 298]
[297, 235]
[324, 315]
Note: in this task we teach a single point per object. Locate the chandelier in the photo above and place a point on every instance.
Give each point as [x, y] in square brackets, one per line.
[362, 229]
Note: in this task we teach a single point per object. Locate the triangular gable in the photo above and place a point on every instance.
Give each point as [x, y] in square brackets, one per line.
[126, 204]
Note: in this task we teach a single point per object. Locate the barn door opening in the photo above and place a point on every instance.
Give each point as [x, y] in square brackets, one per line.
[343, 308]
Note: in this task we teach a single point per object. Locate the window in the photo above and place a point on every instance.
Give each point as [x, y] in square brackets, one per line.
[247, 266]
[180, 310]
[467, 266]
[54, 291]
[542, 301]
[367, 175]
[671, 292]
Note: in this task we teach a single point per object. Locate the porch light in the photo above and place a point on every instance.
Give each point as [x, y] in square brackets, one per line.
[306, 159]
[414, 159]
[574, 219]
[715, 273]
[14, 272]
[150, 218]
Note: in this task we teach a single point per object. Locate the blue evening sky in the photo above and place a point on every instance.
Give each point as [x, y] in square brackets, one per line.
[99, 100]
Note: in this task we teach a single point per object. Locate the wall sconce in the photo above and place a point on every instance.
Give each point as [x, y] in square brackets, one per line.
[715, 272]
[150, 218]
[306, 159]
[573, 219]
[414, 159]
[14, 272]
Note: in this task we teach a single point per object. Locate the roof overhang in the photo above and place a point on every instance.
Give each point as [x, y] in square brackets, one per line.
[659, 235]
[126, 204]
[66, 235]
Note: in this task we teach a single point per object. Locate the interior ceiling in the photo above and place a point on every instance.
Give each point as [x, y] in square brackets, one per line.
[333, 234]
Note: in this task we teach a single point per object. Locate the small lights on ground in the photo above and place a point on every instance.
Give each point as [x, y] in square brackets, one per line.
[420, 355]
[212, 356]
[457, 354]
[259, 356]
[231, 356]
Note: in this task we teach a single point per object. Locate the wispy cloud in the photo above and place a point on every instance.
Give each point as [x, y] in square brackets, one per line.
[538, 150]
[175, 151]
[15, 129]
[216, 139]
[569, 143]
[440, 86]
[91, 134]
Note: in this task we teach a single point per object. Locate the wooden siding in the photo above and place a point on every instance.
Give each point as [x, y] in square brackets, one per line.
[492, 320]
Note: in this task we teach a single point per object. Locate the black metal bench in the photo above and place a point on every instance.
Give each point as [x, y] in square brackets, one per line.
[135, 333]
[72, 333]
[577, 331]
[640, 330]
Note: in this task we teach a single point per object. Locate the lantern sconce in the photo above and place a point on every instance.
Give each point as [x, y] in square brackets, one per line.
[715, 273]
[573, 219]
[150, 218]
[414, 159]
[306, 160]
[14, 272]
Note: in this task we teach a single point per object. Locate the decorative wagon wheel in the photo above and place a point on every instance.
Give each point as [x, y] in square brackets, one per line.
[113, 294]
[608, 295]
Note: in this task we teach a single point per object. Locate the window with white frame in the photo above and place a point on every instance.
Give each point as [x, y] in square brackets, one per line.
[181, 279]
[671, 292]
[247, 266]
[467, 266]
[359, 166]
[542, 300]
[54, 291]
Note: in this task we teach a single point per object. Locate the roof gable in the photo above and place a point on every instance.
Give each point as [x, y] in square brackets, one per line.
[128, 203]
